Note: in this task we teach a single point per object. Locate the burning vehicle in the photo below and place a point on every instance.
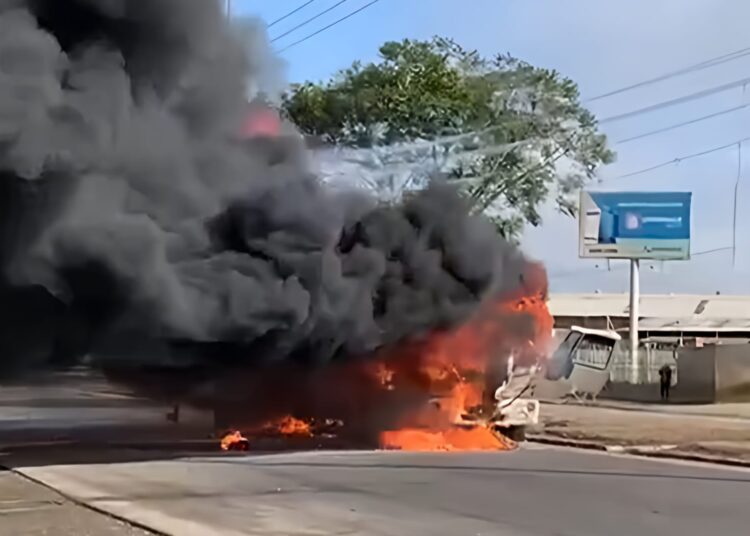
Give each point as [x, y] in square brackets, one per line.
[466, 388]
[178, 241]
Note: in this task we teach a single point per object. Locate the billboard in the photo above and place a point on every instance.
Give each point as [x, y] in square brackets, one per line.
[634, 225]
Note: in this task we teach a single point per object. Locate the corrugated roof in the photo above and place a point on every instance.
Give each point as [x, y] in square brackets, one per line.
[695, 324]
[662, 306]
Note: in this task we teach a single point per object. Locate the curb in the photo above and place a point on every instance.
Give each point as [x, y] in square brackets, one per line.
[648, 407]
[690, 457]
[666, 453]
[563, 442]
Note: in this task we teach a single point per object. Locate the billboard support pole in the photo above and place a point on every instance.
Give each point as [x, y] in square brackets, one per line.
[635, 298]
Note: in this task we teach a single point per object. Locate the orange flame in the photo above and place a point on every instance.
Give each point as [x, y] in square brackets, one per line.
[455, 366]
[234, 440]
[450, 377]
[289, 426]
[416, 439]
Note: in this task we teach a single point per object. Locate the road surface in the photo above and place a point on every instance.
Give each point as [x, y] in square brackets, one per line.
[537, 491]
[28, 509]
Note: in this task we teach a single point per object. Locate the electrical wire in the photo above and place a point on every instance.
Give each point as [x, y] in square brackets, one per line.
[304, 23]
[734, 212]
[681, 158]
[719, 60]
[678, 100]
[683, 124]
[324, 28]
[711, 251]
[292, 12]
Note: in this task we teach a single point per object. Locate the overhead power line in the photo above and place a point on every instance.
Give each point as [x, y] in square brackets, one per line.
[324, 28]
[683, 158]
[308, 21]
[710, 251]
[734, 211]
[679, 100]
[684, 123]
[292, 12]
[718, 60]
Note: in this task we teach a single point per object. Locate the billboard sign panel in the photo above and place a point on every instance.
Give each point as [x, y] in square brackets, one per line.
[635, 225]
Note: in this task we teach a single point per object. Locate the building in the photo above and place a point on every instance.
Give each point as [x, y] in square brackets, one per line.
[704, 337]
[669, 315]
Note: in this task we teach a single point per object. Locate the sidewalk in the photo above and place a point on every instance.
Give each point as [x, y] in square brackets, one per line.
[29, 509]
[729, 411]
[720, 431]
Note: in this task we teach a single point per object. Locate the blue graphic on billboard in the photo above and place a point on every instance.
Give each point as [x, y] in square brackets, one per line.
[635, 225]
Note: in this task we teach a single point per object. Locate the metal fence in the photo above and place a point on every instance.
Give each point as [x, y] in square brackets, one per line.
[651, 357]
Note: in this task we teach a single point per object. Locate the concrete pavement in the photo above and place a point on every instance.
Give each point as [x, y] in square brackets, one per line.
[537, 491]
[28, 509]
[735, 410]
[723, 432]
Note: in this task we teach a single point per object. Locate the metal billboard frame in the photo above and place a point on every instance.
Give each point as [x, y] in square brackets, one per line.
[635, 226]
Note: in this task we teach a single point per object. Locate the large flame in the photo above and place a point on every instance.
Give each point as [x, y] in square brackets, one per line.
[458, 368]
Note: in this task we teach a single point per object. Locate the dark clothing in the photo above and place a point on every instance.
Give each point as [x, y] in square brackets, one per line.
[665, 376]
[665, 391]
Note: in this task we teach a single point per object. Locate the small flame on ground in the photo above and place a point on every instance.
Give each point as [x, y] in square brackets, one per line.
[287, 426]
[290, 426]
[234, 440]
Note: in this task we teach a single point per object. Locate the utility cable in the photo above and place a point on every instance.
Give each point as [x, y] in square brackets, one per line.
[681, 158]
[292, 12]
[719, 60]
[684, 123]
[734, 211]
[674, 102]
[308, 21]
[324, 28]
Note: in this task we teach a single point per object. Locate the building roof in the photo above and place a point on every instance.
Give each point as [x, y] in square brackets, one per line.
[662, 312]
[660, 306]
[695, 325]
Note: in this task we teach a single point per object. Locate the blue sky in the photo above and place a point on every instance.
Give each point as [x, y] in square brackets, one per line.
[602, 45]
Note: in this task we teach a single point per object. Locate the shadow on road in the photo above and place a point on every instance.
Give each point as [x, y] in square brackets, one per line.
[81, 418]
[123, 444]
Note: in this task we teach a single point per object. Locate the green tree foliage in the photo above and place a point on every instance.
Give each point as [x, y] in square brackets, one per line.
[515, 135]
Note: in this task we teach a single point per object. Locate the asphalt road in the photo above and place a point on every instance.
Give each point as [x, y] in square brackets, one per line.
[536, 491]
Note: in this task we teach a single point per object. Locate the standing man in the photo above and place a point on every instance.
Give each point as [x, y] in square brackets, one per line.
[665, 377]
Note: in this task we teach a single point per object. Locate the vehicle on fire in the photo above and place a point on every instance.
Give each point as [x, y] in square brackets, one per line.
[579, 368]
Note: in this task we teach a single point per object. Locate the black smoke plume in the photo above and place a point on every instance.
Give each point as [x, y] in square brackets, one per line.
[138, 229]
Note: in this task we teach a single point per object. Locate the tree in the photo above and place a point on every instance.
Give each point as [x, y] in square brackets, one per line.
[510, 134]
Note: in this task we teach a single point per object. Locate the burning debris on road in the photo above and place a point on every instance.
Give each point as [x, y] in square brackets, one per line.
[233, 441]
[139, 226]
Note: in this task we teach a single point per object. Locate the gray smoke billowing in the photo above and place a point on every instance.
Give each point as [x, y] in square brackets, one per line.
[130, 210]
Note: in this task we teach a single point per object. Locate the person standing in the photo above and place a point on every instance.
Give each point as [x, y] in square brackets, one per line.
[665, 379]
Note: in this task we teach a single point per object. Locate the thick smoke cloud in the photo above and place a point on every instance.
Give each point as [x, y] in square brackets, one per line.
[130, 211]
